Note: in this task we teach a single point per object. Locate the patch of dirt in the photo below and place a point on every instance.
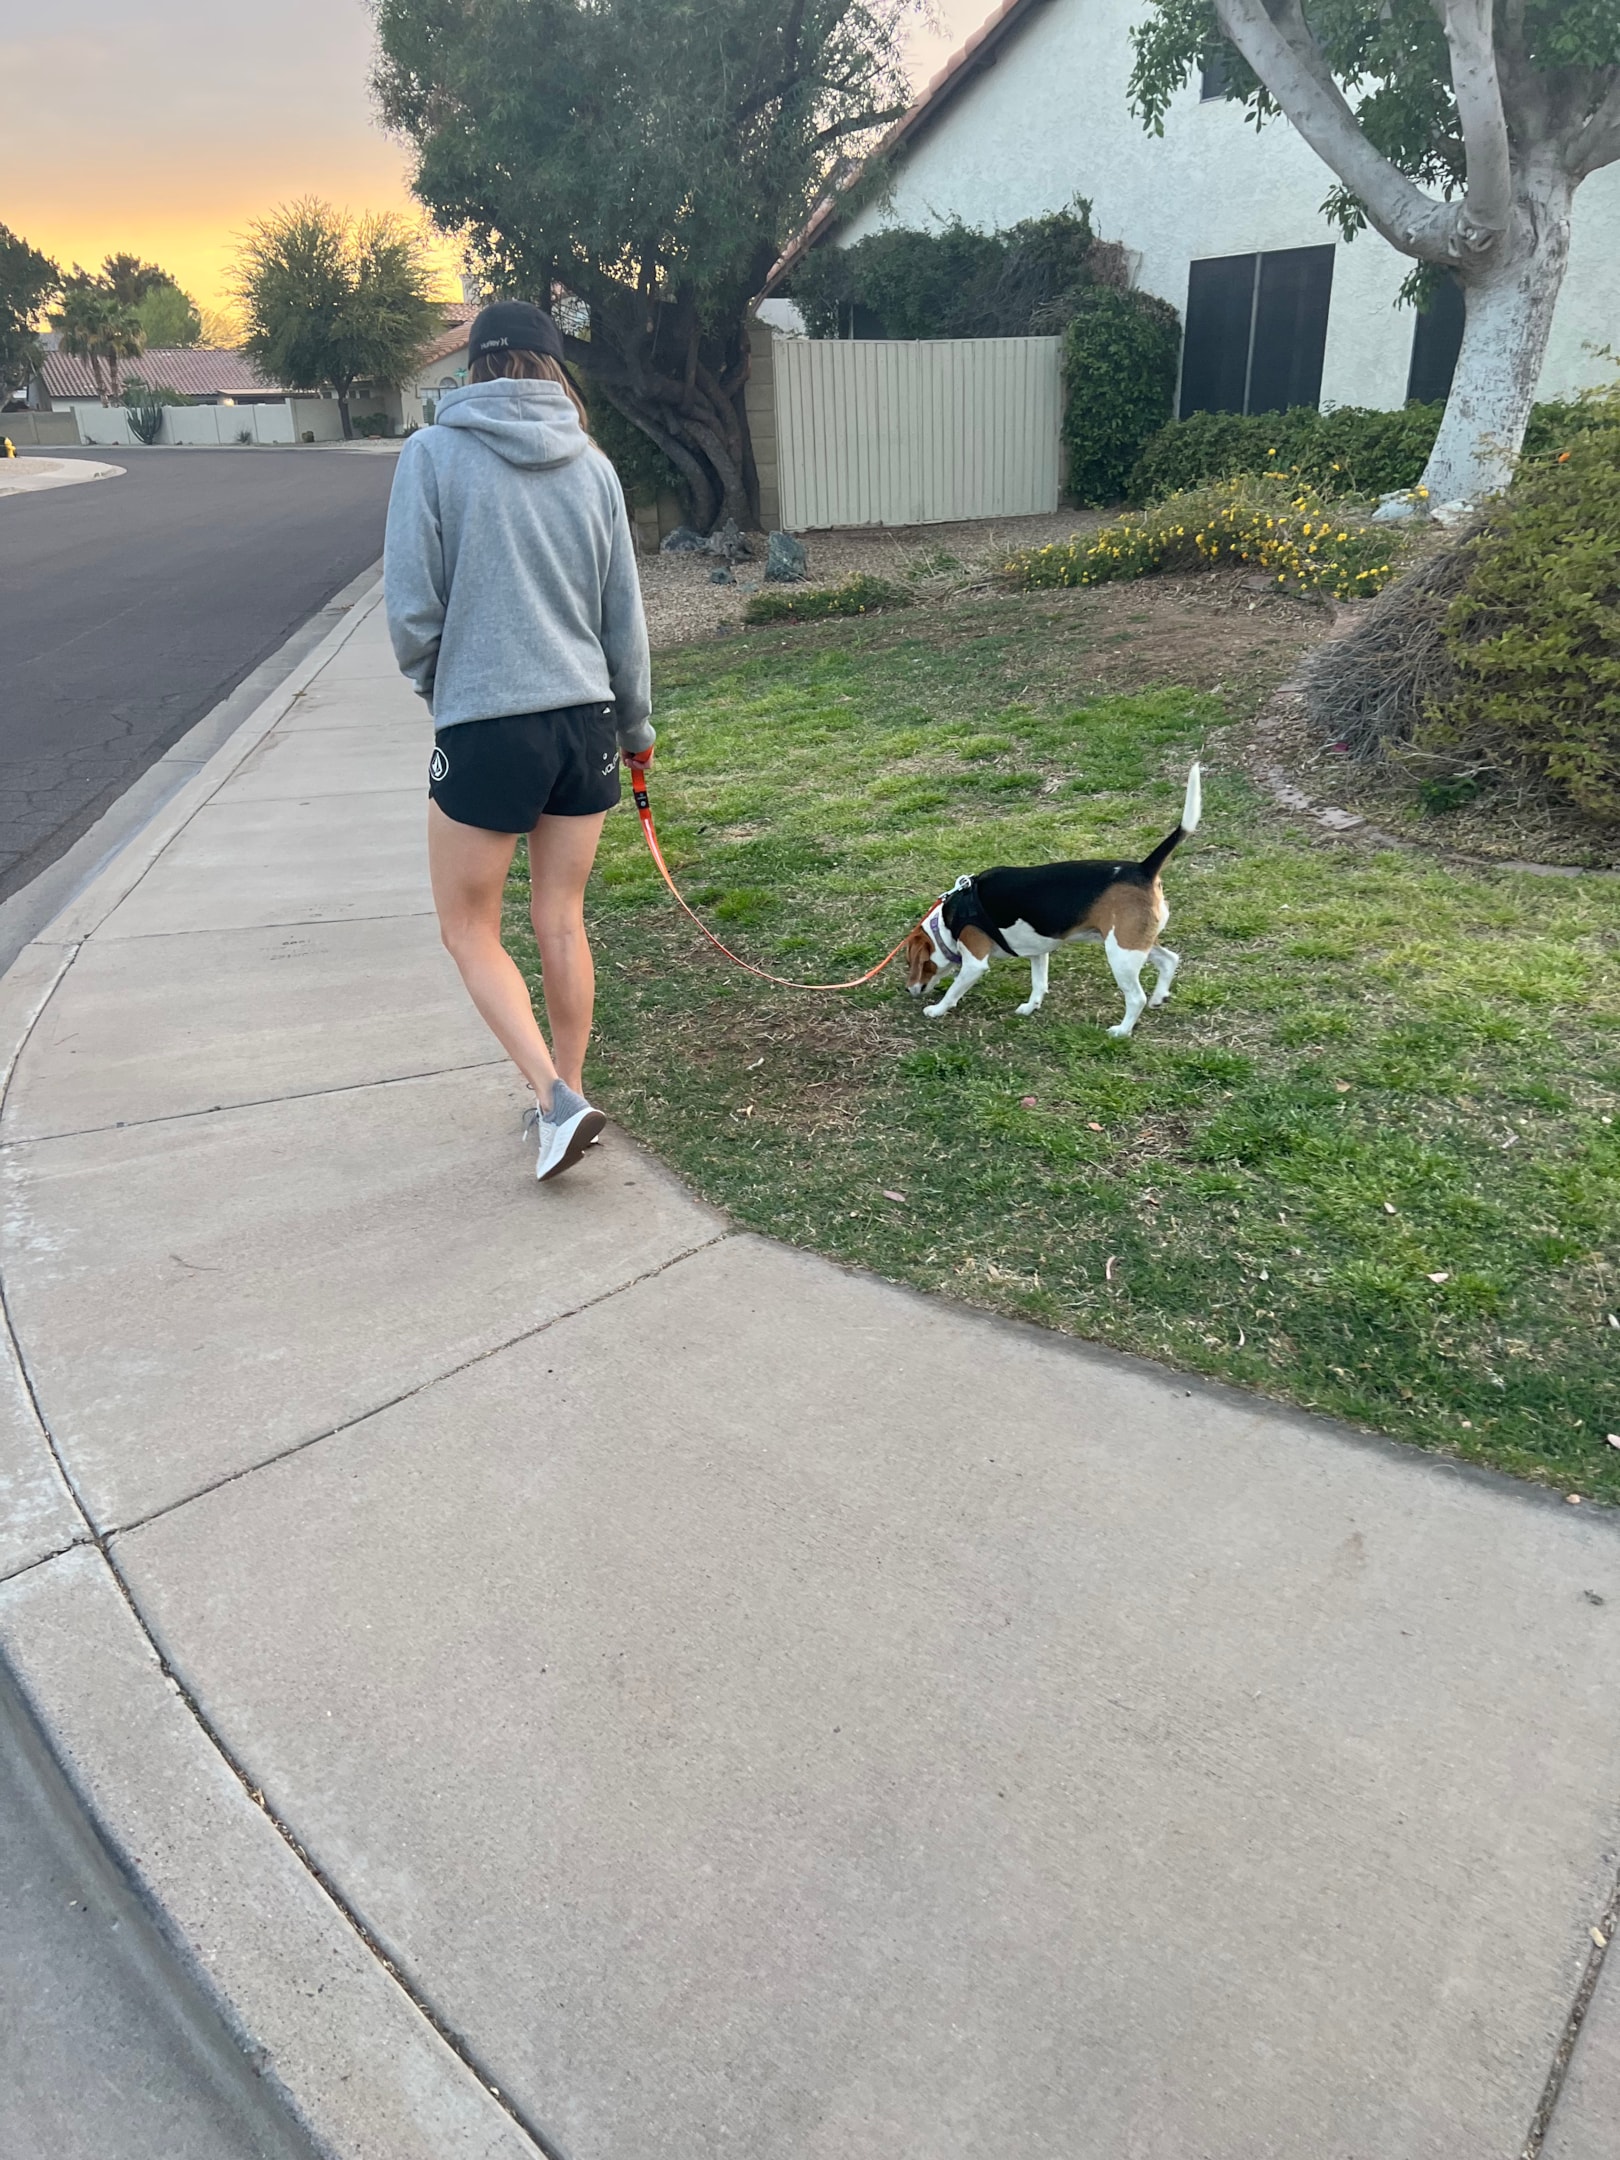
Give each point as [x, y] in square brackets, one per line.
[684, 605]
[1211, 631]
[1379, 802]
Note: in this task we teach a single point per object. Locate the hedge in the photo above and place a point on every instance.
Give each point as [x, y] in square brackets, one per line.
[1120, 357]
[1351, 450]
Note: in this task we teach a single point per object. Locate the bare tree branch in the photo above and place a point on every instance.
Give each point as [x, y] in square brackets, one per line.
[1488, 203]
[1288, 60]
[1598, 141]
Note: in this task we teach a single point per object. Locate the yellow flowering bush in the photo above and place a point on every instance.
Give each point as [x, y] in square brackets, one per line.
[1275, 522]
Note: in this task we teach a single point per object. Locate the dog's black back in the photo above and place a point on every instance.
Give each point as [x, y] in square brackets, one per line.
[1053, 898]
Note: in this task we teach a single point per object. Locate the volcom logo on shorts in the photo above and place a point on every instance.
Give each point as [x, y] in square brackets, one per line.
[439, 766]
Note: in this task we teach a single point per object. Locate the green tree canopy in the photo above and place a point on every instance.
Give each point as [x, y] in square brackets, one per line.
[330, 300]
[1459, 130]
[640, 164]
[29, 281]
[168, 316]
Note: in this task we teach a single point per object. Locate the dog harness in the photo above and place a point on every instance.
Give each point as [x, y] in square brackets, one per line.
[972, 911]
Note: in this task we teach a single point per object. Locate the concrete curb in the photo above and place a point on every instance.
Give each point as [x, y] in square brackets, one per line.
[318, 2013]
[33, 475]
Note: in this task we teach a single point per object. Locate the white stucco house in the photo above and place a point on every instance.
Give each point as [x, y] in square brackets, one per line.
[1223, 221]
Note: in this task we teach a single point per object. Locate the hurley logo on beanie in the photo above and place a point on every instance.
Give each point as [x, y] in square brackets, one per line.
[508, 323]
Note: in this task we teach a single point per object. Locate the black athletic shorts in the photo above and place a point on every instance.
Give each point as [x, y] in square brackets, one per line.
[507, 774]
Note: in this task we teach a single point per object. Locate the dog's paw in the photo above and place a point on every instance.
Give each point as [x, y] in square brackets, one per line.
[1030, 1005]
[932, 1012]
[1158, 998]
[1123, 1029]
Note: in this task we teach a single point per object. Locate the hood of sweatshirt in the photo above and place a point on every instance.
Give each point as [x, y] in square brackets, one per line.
[533, 424]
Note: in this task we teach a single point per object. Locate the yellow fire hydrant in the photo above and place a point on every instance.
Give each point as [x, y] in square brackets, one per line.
[11, 447]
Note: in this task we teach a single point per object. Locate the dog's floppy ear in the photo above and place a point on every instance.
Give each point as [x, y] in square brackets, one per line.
[921, 965]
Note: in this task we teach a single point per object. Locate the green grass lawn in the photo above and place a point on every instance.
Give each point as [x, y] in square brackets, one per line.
[1364, 1159]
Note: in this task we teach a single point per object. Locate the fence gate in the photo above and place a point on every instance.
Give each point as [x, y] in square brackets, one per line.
[870, 432]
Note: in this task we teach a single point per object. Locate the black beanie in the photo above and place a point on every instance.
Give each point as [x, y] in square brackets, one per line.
[508, 325]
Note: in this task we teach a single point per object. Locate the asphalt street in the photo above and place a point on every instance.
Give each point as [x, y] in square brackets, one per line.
[130, 607]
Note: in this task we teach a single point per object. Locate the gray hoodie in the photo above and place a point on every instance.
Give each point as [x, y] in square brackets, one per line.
[509, 570]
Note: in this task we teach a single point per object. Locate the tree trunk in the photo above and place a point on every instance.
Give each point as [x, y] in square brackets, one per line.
[1509, 315]
[343, 414]
[685, 393]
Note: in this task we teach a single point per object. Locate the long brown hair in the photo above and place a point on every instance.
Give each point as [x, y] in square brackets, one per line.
[518, 364]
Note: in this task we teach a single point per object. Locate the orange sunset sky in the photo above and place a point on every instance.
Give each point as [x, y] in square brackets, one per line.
[165, 129]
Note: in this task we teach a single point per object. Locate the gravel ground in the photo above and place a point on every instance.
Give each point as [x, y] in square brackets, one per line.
[683, 606]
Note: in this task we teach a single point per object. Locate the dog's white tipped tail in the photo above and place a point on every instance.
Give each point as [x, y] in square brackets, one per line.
[1193, 808]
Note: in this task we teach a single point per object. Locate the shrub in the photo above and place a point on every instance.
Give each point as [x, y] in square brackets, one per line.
[1274, 521]
[953, 282]
[146, 421]
[1535, 635]
[1120, 358]
[1349, 451]
[859, 595]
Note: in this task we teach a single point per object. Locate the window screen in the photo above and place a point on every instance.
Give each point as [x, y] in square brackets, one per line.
[1256, 331]
[1290, 328]
[1436, 342]
[1220, 317]
[1216, 75]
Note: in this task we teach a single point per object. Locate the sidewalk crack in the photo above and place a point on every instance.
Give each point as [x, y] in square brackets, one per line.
[256, 1102]
[420, 1387]
[1603, 1930]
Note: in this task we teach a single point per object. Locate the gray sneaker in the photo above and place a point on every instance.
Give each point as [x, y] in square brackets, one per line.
[565, 1132]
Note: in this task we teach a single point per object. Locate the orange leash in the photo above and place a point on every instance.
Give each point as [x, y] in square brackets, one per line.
[638, 786]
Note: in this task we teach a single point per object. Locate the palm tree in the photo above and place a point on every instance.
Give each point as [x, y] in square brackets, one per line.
[97, 327]
[81, 320]
[123, 337]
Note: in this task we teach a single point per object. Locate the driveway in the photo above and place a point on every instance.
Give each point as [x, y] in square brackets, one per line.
[129, 608]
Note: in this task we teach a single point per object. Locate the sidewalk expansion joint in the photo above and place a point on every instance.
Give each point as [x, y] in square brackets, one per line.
[292, 922]
[433, 1380]
[1603, 1930]
[255, 1102]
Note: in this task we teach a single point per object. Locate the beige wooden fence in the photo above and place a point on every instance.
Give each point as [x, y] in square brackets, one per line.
[870, 432]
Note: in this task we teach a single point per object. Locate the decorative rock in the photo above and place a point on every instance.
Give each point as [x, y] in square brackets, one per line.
[729, 542]
[786, 562]
[1392, 509]
[1452, 513]
[1339, 820]
[722, 576]
[682, 541]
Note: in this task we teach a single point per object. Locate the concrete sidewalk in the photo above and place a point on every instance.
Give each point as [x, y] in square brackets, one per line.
[852, 1727]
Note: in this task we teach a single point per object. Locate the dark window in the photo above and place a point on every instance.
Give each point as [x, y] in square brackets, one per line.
[1220, 320]
[1290, 328]
[1217, 75]
[1256, 330]
[1436, 342]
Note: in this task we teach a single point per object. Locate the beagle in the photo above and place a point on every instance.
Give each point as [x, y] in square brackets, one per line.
[1030, 913]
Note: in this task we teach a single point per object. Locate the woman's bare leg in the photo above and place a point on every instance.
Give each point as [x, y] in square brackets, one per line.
[561, 851]
[468, 867]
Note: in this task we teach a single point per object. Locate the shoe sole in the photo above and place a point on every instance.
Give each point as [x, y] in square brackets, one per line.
[584, 1134]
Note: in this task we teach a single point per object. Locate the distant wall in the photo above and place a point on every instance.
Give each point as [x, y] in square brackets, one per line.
[40, 429]
[200, 426]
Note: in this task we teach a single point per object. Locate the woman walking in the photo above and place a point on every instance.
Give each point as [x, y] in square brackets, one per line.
[515, 610]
